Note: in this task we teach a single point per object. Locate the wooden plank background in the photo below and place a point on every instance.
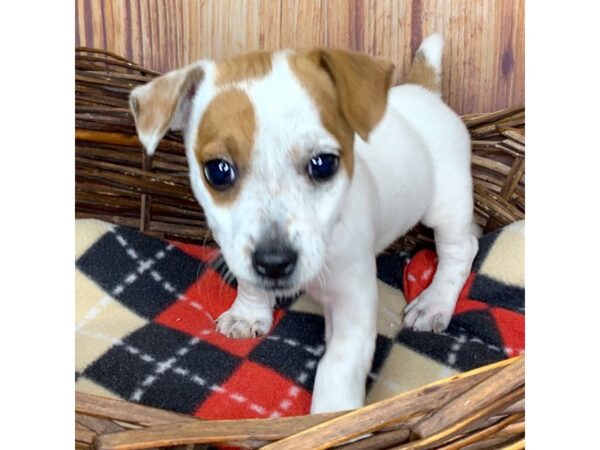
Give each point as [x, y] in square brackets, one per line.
[483, 60]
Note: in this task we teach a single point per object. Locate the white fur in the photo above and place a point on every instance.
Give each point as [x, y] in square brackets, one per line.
[415, 167]
[432, 48]
[274, 190]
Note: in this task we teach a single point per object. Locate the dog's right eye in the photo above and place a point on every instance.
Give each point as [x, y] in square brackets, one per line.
[219, 173]
[323, 167]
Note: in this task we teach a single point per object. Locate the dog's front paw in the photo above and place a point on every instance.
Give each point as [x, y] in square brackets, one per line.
[428, 313]
[244, 324]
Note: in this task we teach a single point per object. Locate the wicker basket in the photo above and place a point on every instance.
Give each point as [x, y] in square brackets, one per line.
[116, 182]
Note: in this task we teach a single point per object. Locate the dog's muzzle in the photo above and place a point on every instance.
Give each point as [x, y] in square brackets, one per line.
[274, 259]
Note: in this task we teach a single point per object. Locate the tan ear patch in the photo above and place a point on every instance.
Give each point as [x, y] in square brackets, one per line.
[227, 131]
[154, 105]
[249, 66]
[322, 90]
[362, 84]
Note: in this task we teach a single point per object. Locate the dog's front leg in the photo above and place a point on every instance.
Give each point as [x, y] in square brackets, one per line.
[342, 372]
[251, 315]
[433, 308]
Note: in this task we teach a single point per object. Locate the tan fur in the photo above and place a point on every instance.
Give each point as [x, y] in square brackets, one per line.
[226, 131]
[154, 107]
[350, 90]
[423, 74]
[322, 90]
[248, 66]
[362, 84]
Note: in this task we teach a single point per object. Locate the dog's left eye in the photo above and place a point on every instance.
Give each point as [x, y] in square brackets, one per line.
[219, 173]
[323, 167]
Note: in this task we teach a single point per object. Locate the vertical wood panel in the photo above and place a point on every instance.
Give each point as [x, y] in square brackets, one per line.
[483, 60]
[230, 37]
[479, 35]
[135, 34]
[118, 35]
[108, 24]
[145, 26]
[388, 33]
[513, 52]
[78, 23]
[269, 24]
[303, 23]
[346, 25]
[96, 23]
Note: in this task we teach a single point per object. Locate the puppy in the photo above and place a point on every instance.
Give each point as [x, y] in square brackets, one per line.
[307, 165]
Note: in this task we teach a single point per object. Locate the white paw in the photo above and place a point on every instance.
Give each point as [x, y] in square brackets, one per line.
[428, 312]
[245, 324]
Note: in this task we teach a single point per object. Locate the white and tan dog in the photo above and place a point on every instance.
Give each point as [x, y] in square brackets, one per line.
[307, 165]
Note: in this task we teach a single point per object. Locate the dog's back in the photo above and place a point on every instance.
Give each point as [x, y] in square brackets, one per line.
[445, 135]
[420, 150]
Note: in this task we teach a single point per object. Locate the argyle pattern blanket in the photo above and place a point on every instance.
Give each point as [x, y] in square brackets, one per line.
[145, 327]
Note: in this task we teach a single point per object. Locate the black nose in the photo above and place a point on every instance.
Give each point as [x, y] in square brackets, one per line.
[274, 260]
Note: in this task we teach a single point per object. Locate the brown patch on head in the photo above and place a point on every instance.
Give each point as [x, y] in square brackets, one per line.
[226, 131]
[322, 90]
[423, 74]
[249, 66]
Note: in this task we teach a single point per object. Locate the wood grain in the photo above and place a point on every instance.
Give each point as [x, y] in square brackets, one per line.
[314, 431]
[483, 62]
[386, 412]
[486, 392]
[141, 415]
[464, 423]
[482, 434]
[110, 424]
[210, 431]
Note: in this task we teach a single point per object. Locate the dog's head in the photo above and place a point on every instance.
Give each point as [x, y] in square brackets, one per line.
[269, 139]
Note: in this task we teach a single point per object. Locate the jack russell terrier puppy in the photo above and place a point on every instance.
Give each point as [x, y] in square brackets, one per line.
[307, 165]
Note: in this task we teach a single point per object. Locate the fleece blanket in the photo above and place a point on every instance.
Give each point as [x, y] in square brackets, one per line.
[145, 330]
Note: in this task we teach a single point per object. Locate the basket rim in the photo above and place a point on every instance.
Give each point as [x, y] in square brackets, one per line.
[162, 427]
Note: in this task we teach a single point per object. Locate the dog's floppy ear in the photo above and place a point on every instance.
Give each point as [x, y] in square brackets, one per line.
[362, 83]
[163, 104]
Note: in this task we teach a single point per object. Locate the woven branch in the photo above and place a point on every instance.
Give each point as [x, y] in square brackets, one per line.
[469, 410]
